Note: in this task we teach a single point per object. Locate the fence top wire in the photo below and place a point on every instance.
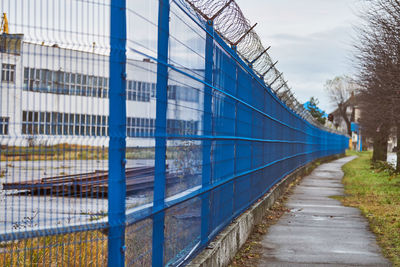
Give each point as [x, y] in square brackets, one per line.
[230, 23]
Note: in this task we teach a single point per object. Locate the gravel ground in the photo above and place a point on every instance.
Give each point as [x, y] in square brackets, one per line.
[24, 211]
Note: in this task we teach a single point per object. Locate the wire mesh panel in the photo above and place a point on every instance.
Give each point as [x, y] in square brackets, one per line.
[54, 146]
[133, 132]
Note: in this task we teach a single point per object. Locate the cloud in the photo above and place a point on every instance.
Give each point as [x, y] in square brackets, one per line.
[308, 61]
[286, 38]
[312, 39]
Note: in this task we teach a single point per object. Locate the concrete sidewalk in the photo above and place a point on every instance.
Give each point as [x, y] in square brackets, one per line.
[318, 230]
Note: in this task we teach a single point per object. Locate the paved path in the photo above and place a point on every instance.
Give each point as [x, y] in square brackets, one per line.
[319, 231]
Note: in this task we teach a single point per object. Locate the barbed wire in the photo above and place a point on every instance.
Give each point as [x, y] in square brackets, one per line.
[230, 23]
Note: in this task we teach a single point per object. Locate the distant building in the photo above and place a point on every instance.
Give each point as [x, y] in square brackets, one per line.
[336, 121]
[358, 141]
[51, 95]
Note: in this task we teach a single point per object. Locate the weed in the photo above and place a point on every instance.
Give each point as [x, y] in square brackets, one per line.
[384, 166]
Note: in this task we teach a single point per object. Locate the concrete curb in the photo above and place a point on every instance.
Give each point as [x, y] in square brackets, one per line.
[224, 247]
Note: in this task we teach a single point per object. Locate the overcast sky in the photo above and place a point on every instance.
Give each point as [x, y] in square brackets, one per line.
[312, 39]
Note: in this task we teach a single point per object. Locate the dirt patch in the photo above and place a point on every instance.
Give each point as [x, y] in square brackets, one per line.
[250, 252]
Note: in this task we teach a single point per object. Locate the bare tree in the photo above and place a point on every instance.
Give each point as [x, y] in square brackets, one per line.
[378, 61]
[340, 89]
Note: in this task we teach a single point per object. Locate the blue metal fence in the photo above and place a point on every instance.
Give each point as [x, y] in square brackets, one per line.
[195, 134]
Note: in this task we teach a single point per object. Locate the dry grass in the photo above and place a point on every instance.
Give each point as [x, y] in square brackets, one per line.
[76, 249]
[56, 152]
[79, 152]
[377, 195]
[251, 251]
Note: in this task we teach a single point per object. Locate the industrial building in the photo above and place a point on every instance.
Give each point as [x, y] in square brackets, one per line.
[52, 95]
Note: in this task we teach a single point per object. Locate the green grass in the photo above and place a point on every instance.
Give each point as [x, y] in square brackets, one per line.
[377, 195]
[353, 153]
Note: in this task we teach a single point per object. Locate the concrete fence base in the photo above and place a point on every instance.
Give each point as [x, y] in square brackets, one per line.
[227, 243]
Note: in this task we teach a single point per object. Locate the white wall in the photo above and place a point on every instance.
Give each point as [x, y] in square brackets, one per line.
[14, 100]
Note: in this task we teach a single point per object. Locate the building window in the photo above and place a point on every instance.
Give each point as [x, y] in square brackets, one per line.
[181, 127]
[140, 127]
[139, 91]
[55, 123]
[59, 82]
[8, 73]
[183, 93]
[145, 127]
[4, 125]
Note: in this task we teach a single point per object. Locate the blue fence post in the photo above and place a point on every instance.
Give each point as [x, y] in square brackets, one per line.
[117, 130]
[161, 132]
[207, 130]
